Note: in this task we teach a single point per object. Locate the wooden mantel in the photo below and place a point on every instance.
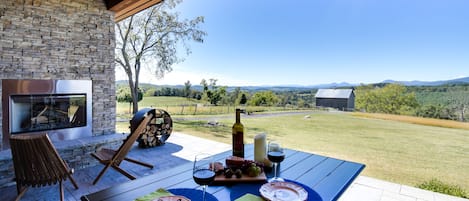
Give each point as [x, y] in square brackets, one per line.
[126, 8]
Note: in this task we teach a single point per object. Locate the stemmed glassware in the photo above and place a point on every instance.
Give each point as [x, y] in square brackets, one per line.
[202, 173]
[276, 155]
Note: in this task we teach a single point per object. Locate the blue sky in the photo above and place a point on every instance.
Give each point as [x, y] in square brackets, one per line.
[307, 42]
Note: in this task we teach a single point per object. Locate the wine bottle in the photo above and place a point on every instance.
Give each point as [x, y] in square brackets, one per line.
[238, 136]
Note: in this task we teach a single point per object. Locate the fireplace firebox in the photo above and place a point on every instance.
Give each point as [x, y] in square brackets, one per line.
[39, 112]
[62, 108]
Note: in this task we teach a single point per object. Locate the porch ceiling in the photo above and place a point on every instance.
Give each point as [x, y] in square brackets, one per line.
[126, 8]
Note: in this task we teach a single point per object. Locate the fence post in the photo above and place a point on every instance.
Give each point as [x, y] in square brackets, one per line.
[195, 111]
[182, 110]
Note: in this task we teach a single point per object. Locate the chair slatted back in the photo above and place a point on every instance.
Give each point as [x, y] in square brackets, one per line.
[128, 143]
[36, 161]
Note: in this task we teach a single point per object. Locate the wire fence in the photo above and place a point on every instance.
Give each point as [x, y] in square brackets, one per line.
[201, 109]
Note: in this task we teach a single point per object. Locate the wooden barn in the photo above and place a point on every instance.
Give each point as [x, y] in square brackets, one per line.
[341, 99]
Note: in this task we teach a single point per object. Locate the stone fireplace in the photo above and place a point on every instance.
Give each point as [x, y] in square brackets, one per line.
[61, 40]
[50, 40]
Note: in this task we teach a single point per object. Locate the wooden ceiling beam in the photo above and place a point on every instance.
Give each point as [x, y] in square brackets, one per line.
[126, 8]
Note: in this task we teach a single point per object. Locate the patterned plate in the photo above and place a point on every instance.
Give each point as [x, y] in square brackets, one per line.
[283, 191]
[172, 198]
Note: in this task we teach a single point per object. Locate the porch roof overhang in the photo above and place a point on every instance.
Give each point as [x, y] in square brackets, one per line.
[126, 8]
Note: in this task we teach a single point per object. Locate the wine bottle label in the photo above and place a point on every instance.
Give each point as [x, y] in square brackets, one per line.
[238, 144]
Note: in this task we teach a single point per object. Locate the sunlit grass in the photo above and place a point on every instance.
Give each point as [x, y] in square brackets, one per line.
[394, 151]
[440, 187]
[416, 120]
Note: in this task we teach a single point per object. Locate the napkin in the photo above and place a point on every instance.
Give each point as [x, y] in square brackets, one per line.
[152, 196]
[249, 197]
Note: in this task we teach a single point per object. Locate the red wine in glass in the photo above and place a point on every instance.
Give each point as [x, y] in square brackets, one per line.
[276, 156]
[204, 176]
[202, 173]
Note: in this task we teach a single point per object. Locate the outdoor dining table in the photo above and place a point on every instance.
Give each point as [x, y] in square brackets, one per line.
[327, 178]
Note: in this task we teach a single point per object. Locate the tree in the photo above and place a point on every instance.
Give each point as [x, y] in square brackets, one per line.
[123, 95]
[363, 97]
[459, 103]
[243, 100]
[150, 92]
[264, 98]
[187, 89]
[301, 103]
[205, 90]
[153, 35]
[431, 111]
[212, 93]
[235, 95]
[390, 99]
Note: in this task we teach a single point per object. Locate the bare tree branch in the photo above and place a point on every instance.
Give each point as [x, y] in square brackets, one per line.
[154, 35]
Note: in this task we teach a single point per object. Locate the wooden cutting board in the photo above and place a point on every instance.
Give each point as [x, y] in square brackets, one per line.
[222, 180]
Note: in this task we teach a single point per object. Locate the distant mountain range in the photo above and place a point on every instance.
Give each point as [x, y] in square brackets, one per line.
[429, 83]
[464, 80]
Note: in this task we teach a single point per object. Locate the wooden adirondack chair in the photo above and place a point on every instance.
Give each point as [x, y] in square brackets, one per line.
[113, 158]
[37, 163]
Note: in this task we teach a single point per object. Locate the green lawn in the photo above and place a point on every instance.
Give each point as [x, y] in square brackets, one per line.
[394, 151]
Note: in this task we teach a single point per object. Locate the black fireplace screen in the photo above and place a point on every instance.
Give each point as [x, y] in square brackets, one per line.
[38, 112]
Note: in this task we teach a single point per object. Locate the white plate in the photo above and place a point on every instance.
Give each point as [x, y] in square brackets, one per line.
[172, 198]
[283, 191]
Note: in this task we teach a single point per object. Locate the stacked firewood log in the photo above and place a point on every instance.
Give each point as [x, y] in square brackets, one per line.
[157, 131]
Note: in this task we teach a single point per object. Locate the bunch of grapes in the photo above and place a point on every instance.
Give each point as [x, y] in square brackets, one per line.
[248, 167]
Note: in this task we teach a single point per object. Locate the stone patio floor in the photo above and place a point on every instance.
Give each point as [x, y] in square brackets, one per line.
[181, 148]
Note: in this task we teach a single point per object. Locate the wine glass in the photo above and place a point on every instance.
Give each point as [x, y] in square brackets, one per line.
[276, 155]
[202, 173]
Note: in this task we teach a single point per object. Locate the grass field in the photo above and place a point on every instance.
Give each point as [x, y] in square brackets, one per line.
[393, 150]
[416, 120]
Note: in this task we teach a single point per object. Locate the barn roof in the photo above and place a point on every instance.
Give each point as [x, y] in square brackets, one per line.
[334, 93]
